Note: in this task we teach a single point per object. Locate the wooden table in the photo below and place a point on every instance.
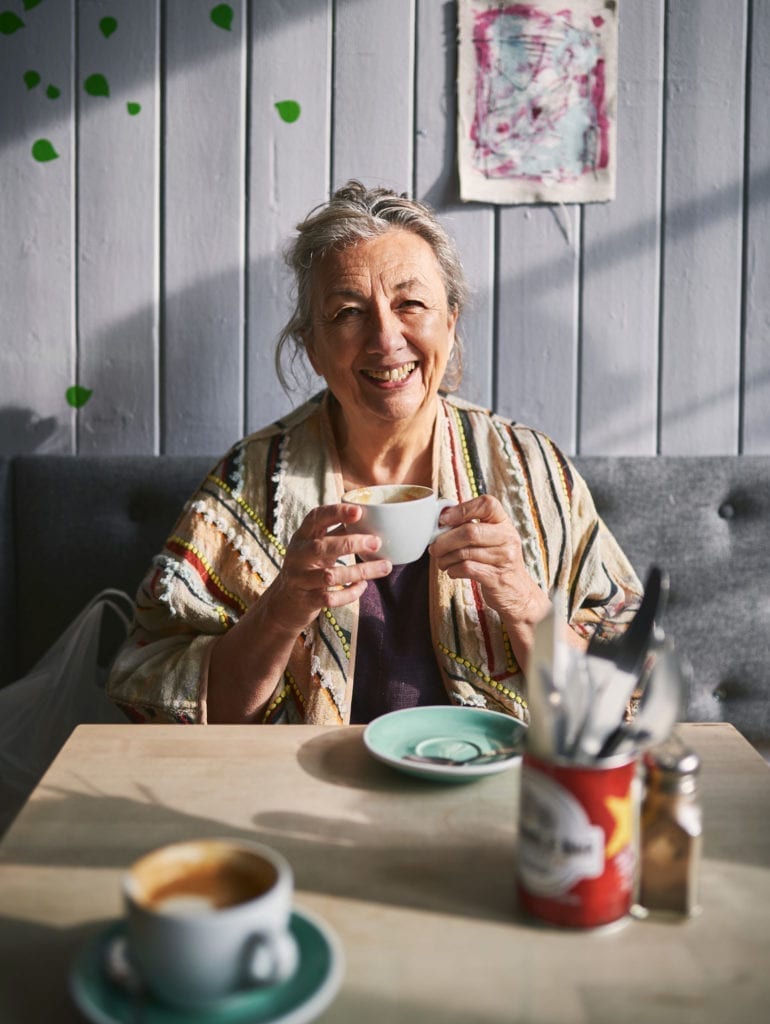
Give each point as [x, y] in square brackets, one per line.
[417, 878]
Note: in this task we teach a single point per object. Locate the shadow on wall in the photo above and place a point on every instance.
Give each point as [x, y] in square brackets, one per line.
[22, 431]
[121, 361]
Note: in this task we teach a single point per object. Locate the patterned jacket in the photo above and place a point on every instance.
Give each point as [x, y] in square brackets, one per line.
[231, 538]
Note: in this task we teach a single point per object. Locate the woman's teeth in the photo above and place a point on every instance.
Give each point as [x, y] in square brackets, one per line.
[397, 373]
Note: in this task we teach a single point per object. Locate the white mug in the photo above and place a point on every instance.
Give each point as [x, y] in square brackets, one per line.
[209, 918]
[404, 517]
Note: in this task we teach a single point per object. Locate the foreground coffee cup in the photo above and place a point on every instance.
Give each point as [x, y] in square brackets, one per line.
[404, 516]
[209, 918]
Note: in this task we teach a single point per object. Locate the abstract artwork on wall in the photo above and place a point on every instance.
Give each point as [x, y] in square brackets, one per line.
[537, 101]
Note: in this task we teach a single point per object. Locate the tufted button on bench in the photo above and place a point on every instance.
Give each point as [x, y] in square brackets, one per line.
[706, 520]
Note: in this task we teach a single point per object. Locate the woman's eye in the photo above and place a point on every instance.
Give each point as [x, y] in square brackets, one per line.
[347, 312]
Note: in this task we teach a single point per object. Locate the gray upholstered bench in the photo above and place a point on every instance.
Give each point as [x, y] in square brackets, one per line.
[72, 526]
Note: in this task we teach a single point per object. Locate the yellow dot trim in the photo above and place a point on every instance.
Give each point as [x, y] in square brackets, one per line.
[484, 676]
[279, 699]
[250, 512]
[466, 455]
[560, 468]
[336, 627]
[290, 686]
[293, 684]
[210, 570]
[510, 662]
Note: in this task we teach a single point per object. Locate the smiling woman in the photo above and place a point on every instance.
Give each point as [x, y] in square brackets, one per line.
[381, 336]
[262, 608]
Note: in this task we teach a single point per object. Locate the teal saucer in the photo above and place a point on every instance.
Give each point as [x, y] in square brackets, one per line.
[457, 732]
[300, 999]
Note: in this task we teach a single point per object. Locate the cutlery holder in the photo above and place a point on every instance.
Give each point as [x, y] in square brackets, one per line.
[578, 840]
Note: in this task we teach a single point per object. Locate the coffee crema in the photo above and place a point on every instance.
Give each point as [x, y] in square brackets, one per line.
[190, 886]
[387, 494]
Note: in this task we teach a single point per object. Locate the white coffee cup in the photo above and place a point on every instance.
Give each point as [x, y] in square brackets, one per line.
[209, 918]
[404, 516]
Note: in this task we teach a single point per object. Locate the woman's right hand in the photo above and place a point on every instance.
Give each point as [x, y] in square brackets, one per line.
[248, 660]
[310, 578]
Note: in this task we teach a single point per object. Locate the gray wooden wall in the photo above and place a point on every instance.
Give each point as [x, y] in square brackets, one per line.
[142, 262]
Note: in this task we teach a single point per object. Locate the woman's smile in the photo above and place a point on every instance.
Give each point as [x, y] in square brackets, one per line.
[382, 329]
[395, 375]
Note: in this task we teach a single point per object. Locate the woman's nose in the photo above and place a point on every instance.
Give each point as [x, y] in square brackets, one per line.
[385, 332]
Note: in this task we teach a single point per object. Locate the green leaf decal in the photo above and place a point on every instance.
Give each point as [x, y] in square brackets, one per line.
[222, 16]
[10, 23]
[29, 4]
[77, 396]
[31, 79]
[108, 26]
[288, 109]
[52, 92]
[133, 108]
[43, 151]
[96, 85]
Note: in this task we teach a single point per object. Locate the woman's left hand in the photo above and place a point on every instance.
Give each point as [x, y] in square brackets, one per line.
[482, 544]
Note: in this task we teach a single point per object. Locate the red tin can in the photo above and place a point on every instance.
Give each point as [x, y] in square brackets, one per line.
[577, 846]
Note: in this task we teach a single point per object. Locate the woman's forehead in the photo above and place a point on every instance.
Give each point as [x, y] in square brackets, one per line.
[397, 260]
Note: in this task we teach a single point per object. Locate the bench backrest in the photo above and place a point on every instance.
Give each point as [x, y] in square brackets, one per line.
[72, 526]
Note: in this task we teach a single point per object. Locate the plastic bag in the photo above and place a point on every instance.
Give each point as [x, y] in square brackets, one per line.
[64, 689]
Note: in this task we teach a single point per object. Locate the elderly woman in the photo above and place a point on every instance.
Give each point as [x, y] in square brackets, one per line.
[260, 607]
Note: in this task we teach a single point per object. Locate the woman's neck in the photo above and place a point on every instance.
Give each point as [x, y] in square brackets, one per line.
[387, 453]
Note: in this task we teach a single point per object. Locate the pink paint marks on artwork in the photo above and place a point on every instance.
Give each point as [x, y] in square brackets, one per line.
[540, 95]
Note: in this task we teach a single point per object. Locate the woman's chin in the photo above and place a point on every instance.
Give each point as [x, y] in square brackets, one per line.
[399, 401]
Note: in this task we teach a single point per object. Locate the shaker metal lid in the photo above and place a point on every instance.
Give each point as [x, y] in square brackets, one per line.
[673, 757]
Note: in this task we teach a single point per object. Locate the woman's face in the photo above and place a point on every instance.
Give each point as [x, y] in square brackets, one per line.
[381, 329]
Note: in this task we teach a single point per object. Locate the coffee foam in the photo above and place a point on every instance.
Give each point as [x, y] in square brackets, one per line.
[212, 880]
[394, 494]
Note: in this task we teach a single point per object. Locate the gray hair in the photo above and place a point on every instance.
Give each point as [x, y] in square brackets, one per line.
[354, 214]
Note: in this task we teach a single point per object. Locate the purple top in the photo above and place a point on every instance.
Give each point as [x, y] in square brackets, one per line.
[395, 664]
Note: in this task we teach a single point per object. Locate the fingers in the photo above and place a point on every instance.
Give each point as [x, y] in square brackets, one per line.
[486, 509]
[312, 569]
[481, 540]
[322, 519]
[340, 577]
[343, 585]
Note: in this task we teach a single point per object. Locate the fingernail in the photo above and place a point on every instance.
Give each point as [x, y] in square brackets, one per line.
[373, 543]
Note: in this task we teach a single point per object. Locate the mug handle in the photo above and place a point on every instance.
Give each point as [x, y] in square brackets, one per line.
[271, 958]
[441, 504]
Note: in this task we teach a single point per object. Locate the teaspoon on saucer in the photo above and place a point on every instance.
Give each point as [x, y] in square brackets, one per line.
[485, 757]
[120, 970]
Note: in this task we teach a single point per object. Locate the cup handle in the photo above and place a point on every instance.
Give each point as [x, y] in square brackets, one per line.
[441, 504]
[271, 958]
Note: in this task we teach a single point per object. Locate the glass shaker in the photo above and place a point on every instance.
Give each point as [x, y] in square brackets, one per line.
[671, 830]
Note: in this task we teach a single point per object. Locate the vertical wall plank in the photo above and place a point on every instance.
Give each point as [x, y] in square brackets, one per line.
[756, 422]
[436, 183]
[203, 228]
[84, 259]
[537, 310]
[37, 325]
[373, 92]
[289, 174]
[118, 193]
[621, 268]
[700, 369]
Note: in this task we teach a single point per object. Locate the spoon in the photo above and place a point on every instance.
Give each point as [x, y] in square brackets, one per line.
[485, 757]
[121, 971]
[659, 707]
